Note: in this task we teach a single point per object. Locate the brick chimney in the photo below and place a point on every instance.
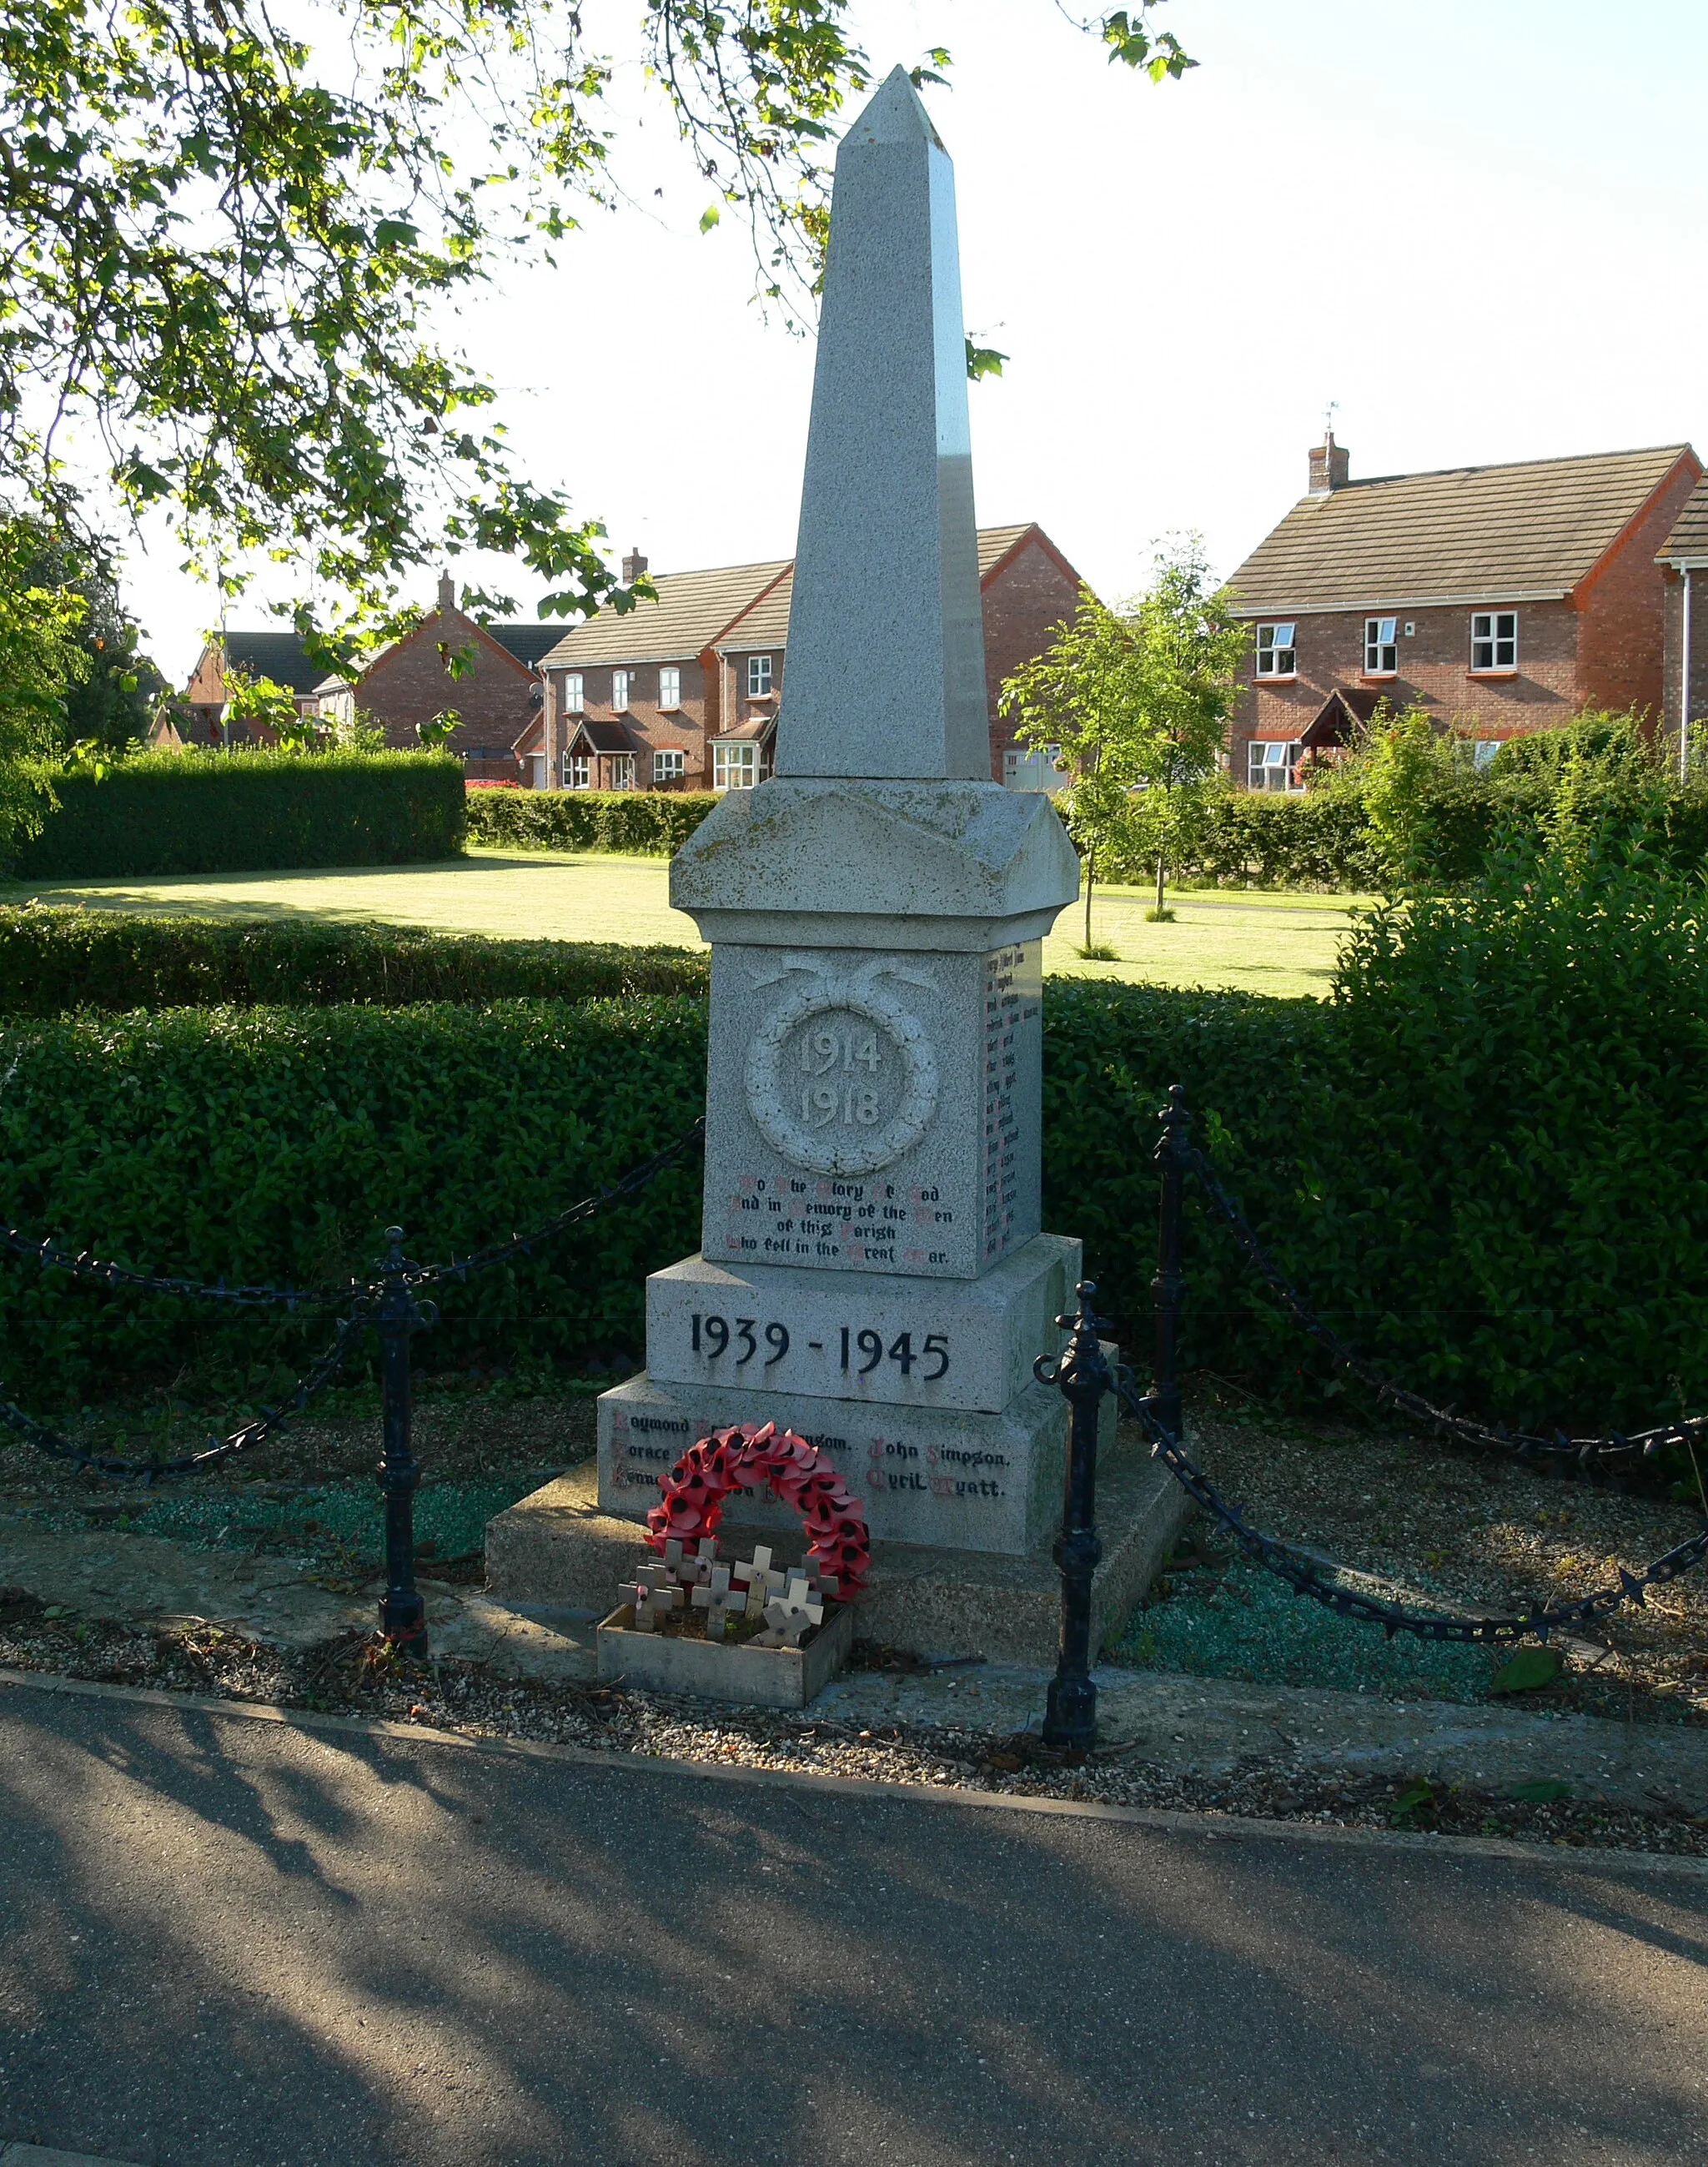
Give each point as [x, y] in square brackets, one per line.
[1331, 466]
[447, 592]
[632, 566]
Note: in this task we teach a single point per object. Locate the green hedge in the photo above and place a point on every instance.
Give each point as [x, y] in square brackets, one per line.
[648, 823]
[1247, 838]
[273, 1143]
[202, 812]
[1484, 1159]
[53, 962]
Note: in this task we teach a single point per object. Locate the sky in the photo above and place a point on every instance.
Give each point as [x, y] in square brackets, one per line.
[1472, 225]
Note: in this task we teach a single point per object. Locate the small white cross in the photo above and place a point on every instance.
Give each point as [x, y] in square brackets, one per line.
[690, 1572]
[789, 1615]
[717, 1599]
[762, 1578]
[653, 1596]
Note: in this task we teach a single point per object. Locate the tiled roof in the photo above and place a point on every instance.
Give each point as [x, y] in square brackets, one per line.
[766, 624]
[530, 644]
[692, 609]
[1689, 539]
[276, 655]
[1504, 533]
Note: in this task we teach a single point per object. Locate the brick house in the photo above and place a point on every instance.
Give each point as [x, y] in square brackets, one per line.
[1500, 598]
[498, 696]
[278, 656]
[684, 693]
[1684, 561]
[407, 683]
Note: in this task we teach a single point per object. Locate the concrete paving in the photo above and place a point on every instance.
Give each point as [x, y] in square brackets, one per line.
[1206, 1726]
[226, 1943]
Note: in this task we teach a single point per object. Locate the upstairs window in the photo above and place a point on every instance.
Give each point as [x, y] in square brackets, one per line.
[574, 694]
[1494, 639]
[620, 690]
[578, 771]
[1275, 651]
[1273, 765]
[758, 676]
[667, 765]
[669, 688]
[1381, 652]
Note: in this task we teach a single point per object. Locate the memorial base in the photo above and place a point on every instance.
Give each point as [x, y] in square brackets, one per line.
[957, 1477]
[560, 1549]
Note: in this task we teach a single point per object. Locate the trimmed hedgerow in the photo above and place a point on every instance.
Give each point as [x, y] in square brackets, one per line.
[647, 823]
[203, 812]
[1481, 1159]
[272, 1143]
[54, 961]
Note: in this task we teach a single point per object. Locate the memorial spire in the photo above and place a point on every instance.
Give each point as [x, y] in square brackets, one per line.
[886, 661]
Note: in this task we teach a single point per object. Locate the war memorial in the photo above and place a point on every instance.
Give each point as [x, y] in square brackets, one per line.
[873, 1271]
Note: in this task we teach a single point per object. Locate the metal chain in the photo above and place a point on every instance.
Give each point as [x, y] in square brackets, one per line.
[1583, 1451]
[1304, 1574]
[252, 1433]
[637, 1178]
[82, 1263]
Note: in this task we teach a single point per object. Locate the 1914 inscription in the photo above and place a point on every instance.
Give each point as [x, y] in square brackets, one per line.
[883, 1117]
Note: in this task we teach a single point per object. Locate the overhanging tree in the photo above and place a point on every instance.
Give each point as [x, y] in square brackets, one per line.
[223, 242]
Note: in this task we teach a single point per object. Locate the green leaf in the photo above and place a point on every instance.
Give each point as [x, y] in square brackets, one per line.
[1528, 1670]
[1545, 1792]
[709, 217]
[983, 361]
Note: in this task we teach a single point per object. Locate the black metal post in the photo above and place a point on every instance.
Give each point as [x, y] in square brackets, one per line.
[1071, 1711]
[402, 1613]
[1173, 1150]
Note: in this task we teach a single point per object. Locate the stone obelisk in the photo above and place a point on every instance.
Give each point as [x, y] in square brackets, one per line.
[872, 1272]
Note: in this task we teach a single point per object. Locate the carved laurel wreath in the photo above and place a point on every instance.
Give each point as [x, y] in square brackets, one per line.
[855, 992]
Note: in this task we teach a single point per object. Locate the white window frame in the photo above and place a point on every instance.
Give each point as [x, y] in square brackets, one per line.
[670, 688]
[758, 676]
[1269, 758]
[735, 766]
[669, 764]
[1277, 656]
[619, 691]
[1493, 635]
[1381, 647]
[1483, 751]
[575, 694]
[578, 771]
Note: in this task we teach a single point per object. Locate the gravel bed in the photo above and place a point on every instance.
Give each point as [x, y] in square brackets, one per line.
[358, 1676]
[1440, 1523]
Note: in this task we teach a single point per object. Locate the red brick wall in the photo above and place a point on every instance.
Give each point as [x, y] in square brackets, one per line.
[1027, 597]
[1433, 673]
[1621, 651]
[411, 683]
[1674, 616]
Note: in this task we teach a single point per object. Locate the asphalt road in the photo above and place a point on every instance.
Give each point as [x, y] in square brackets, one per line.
[226, 1943]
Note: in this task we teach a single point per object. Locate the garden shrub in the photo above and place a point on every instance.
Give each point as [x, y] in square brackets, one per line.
[647, 823]
[52, 961]
[203, 812]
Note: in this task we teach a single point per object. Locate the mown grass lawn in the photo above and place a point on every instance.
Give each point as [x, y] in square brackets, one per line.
[1270, 944]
